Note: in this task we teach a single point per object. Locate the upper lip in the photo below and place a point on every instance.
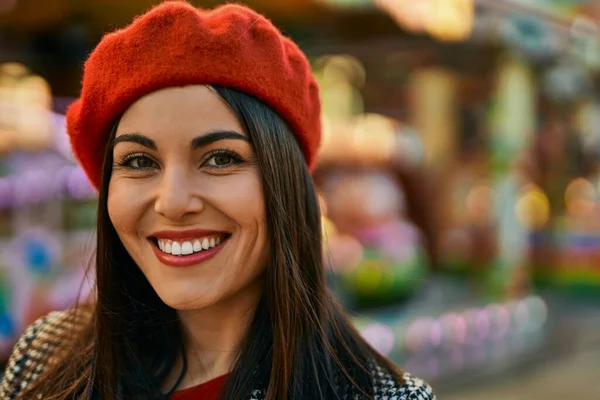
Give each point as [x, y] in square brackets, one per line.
[186, 235]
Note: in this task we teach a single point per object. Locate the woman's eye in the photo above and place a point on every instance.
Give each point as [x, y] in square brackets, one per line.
[141, 163]
[220, 160]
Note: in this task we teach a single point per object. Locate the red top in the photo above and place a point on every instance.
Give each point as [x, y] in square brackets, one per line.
[210, 390]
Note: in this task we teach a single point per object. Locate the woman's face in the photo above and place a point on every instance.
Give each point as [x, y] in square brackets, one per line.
[185, 197]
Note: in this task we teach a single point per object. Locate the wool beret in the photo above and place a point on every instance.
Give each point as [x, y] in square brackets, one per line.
[176, 44]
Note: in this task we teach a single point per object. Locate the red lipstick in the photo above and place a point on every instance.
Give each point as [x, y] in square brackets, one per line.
[185, 235]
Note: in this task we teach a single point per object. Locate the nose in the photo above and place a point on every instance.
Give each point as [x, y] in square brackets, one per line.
[176, 197]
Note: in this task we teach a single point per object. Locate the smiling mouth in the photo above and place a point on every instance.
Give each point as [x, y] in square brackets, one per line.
[189, 247]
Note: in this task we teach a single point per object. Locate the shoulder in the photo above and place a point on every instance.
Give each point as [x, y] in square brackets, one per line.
[37, 347]
[387, 386]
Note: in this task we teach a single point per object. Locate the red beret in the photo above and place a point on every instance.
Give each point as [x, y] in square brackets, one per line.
[175, 44]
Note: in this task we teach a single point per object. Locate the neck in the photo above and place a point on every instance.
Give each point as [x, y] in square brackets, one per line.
[212, 336]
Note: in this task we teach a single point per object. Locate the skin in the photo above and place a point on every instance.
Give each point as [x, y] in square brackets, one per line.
[174, 186]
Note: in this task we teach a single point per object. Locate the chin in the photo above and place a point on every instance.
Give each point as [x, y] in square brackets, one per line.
[182, 298]
[181, 302]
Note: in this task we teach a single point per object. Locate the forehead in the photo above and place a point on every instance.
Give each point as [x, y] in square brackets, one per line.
[176, 111]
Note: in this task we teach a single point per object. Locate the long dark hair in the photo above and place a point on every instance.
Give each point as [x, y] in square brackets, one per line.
[300, 344]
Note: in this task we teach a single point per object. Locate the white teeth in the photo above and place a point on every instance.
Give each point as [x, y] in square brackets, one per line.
[187, 248]
[176, 249]
[197, 245]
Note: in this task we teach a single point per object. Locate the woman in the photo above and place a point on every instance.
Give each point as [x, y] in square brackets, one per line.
[199, 129]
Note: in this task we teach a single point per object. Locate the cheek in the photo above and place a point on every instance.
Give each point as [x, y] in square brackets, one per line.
[243, 203]
[124, 209]
[241, 199]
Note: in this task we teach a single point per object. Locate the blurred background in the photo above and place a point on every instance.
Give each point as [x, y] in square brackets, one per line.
[459, 178]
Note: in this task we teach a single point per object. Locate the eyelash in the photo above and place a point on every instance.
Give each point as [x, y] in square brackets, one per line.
[235, 158]
[130, 157]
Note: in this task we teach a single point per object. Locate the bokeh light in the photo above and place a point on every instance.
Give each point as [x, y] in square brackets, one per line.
[380, 336]
[532, 208]
[480, 202]
[538, 311]
[368, 277]
[418, 334]
[580, 197]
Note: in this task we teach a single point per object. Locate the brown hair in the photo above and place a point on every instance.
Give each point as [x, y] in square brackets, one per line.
[300, 344]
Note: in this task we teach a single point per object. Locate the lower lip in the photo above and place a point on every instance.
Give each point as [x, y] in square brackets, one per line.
[189, 260]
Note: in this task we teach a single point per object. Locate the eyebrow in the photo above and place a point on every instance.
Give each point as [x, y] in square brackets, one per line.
[214, 136]
[135, 138]
[197, 142]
